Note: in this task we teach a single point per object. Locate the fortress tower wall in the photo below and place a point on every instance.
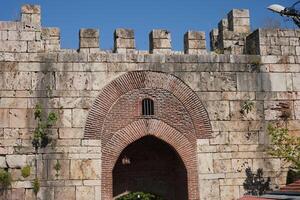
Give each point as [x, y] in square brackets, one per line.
[261, 67]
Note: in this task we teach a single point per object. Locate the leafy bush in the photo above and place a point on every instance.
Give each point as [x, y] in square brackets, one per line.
[26, 171]
[285, 146]
[5, 179]
[41, 137]
[140, 195]
[255, 184]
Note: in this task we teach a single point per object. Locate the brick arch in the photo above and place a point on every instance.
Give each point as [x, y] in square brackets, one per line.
[135, 80]
[138, 129]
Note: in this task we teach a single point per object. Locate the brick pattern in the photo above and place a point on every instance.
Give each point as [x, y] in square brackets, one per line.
[137, 130]
[167, 108]
[145, 79]
[179, 119]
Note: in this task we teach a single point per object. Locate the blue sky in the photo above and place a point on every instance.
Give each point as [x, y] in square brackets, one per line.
[178, 16]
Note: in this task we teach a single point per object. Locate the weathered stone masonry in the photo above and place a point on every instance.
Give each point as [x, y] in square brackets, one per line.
[197, 95]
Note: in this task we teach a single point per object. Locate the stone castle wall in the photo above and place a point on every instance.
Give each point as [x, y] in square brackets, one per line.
[262, 67]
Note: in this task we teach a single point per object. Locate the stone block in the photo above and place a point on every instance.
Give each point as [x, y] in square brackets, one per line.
[45, 193]
[160, 34]
[195, 44]
[223, 25]
[79, 117]
[195, 35]
[42, 166]
[161, 44]
[268, 164]
[4, 118]
[68, 133]
[124, 33]
[222, 166]
[256, 112]
[218, 81]
[84, 192]
[229, 192]
[3, 162]
[19, 118]
[85, 169]
[35, 46]
[218, 110]
[239, 13]
[27, 35]
[48, 33]
[89, 142]
[9, 26]
[296, 81]
[243, 137]
[64, 193]
[298, 50]
[17, 193]
[278, 110]
[89, 33]
[205, 163]
[239, 165]
[241, 21]
[219, 137]
[72, 57]
[13, 35]
[16, 161]
[89, 43]
[277, 82]
[36, 20]
[29, 195]
[247, 82]
[13, 46]
[62, 174]
[209, 189]
[297, 109]
[31, 9]
[125, 43]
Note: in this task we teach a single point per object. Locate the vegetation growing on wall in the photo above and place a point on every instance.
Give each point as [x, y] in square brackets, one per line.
[41, 137]
[247, 107]
[255, 184]
[5, 179]
[57, 168]
[26, 171]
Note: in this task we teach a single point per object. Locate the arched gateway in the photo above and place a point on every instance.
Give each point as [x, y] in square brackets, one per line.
[141, 117]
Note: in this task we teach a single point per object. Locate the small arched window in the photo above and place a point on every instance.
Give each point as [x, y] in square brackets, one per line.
[147, 107]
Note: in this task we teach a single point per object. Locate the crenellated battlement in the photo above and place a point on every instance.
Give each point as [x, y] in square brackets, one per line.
[231, 34]
[27, 35]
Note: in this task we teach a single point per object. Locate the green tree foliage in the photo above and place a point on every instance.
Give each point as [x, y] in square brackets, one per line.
[285, 146]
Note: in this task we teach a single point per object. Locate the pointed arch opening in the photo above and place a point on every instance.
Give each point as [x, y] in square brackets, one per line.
[153, 166]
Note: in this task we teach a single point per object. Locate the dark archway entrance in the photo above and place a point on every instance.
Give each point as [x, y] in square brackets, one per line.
[151, 165]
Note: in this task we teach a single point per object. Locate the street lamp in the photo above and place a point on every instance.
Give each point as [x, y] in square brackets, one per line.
[290, 12]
